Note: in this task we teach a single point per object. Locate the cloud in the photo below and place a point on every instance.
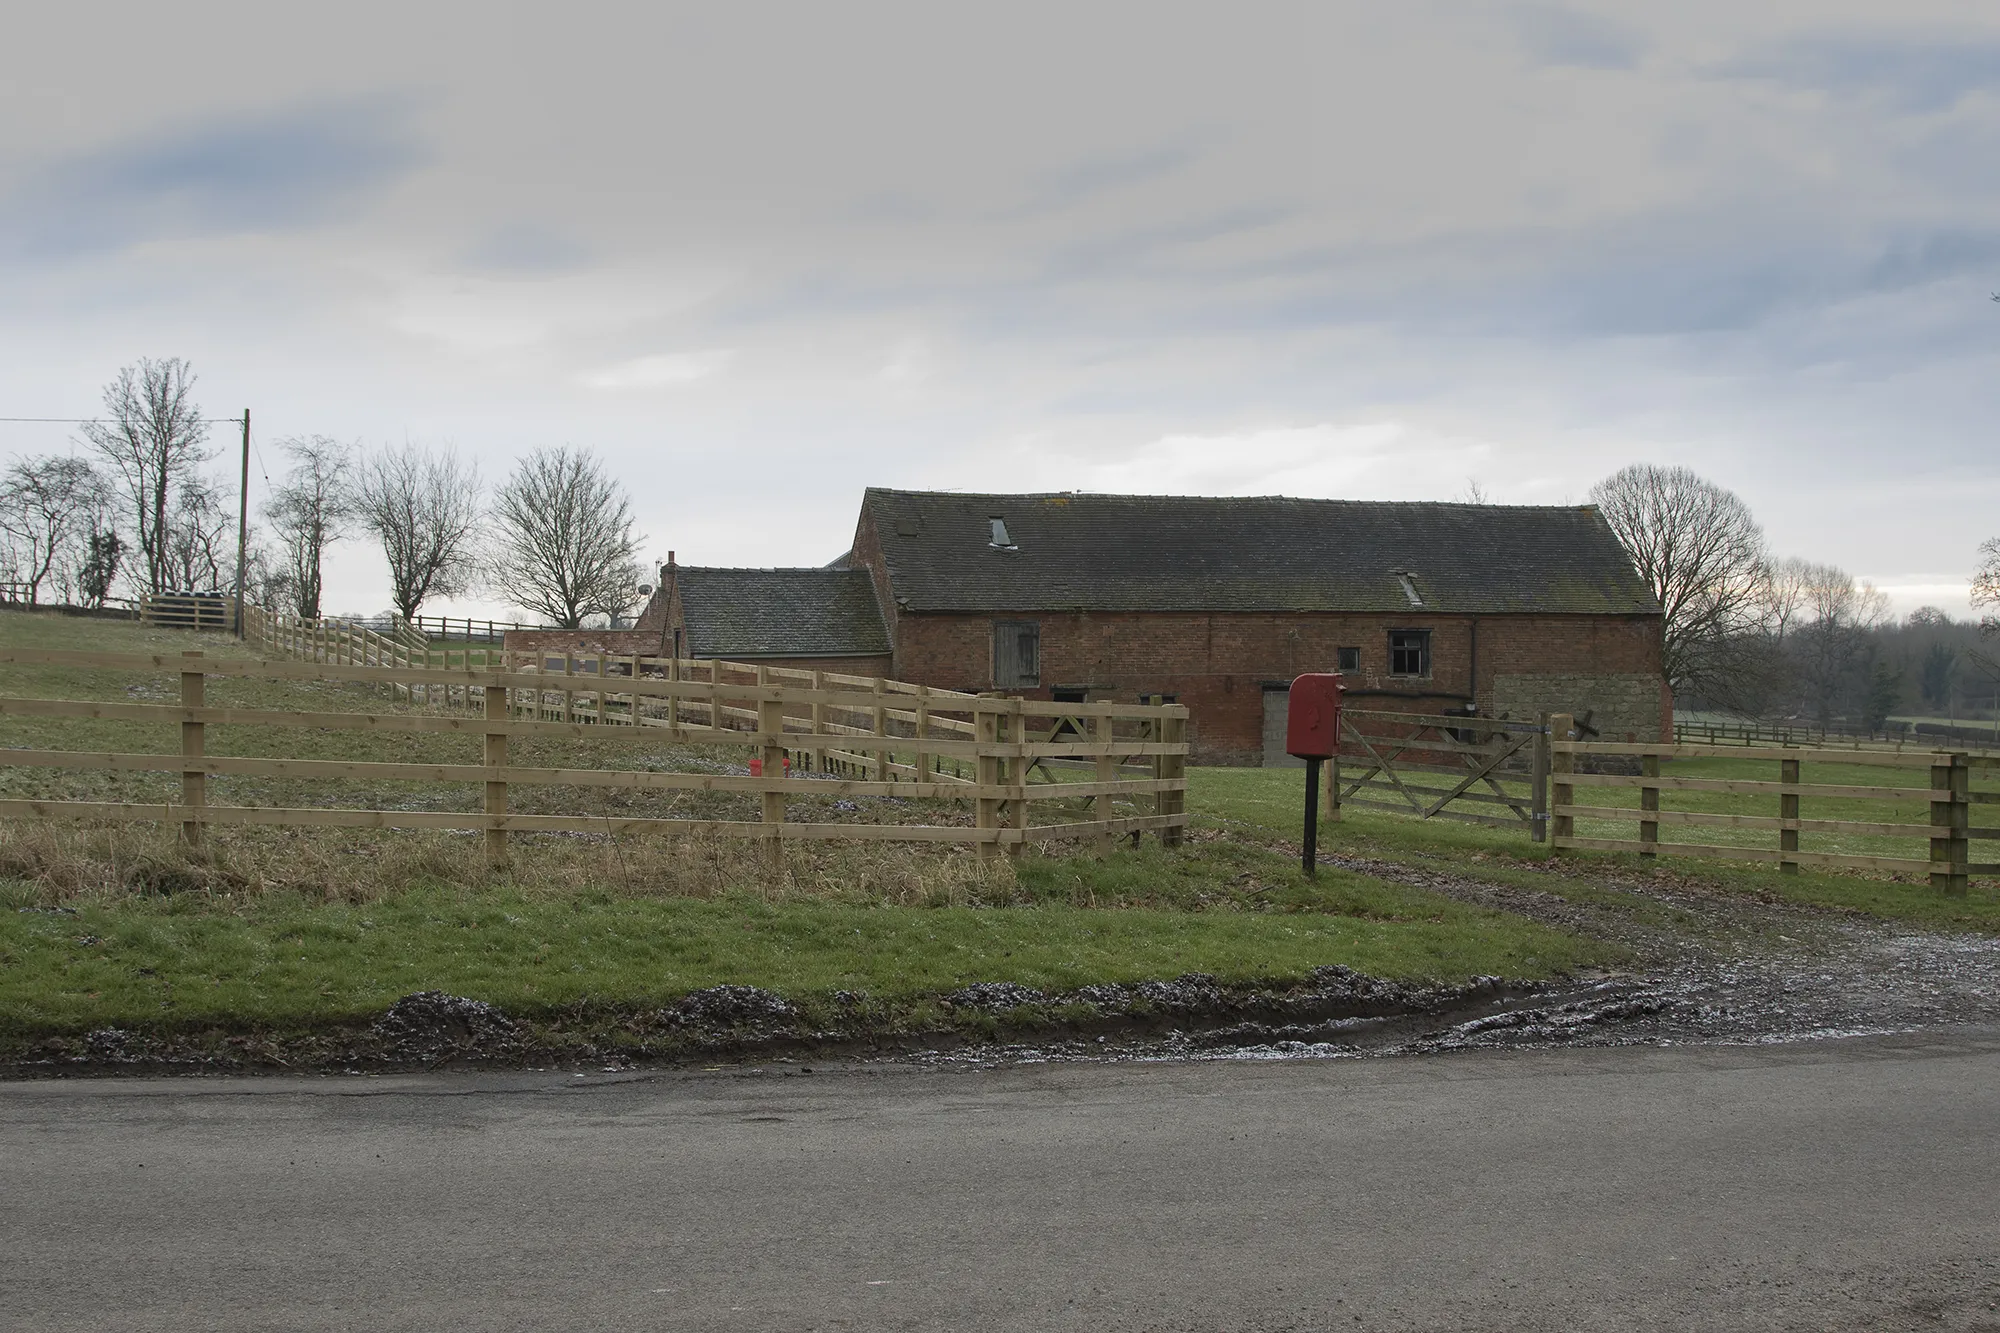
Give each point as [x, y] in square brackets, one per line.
[1918, 74]
[1557, 36]
[1384, 458]
[527, 248]
[661, 371]
[1081, 182]
[283, 170]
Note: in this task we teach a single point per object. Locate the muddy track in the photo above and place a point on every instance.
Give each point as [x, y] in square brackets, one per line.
[1712, 966]
[1708, 967]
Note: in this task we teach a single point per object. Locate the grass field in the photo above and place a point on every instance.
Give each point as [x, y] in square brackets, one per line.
[272, 926]
[1268, 803]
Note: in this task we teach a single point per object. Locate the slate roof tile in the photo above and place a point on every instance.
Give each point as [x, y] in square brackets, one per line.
[780, 612]
[1267, 553]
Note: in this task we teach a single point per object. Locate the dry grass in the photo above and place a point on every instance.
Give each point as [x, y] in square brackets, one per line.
[48, 865]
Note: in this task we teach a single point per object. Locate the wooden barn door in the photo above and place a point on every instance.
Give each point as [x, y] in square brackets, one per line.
[1277, 711]
[1017, 654]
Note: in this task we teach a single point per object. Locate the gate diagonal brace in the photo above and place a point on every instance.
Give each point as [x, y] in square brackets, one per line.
[1482, 771]
[1383, 764]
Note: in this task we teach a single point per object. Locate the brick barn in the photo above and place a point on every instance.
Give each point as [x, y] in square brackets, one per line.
[1507, 610]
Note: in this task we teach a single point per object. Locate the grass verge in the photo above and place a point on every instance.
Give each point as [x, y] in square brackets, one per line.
[1264, 804]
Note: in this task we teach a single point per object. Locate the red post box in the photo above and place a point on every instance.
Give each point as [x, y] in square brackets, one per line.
[1312, 721]
[1312, 733]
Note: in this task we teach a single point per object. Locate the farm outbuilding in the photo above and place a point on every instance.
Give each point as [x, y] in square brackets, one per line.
[1216, 603]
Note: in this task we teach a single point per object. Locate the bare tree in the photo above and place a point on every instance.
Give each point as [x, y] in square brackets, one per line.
[1986, 584]
[1700, 550]
[1986, 593]
[423, 506]
[153, 441]
[199, 550]
[1827, 648]
[563, 545]
[309, 512]
[46, 505]
[1782, 594]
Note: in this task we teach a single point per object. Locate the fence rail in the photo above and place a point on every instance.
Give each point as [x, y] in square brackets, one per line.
[464, 628]
[1929, 736]
[1948, 834]
[203, 610]
[833, 735]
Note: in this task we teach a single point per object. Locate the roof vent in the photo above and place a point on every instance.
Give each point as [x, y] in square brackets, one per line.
[1000, 540]
[1409, 587]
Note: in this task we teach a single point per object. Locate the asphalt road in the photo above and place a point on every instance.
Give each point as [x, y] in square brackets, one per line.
[1843, 1184]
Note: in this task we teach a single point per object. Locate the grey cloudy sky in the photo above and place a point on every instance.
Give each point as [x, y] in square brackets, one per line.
[763, 256]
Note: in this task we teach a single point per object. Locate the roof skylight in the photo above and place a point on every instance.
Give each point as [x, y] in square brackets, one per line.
[1000, 540]
[1409, 587]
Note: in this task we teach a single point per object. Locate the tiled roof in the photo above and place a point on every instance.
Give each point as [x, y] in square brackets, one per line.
[780, 612]
[1271, 553]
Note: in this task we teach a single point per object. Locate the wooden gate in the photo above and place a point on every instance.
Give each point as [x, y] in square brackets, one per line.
[1434, 767]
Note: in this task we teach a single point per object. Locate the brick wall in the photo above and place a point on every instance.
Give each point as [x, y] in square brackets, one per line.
[1218, 664]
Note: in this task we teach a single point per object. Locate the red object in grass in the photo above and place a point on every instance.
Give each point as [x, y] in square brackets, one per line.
[1312, 717]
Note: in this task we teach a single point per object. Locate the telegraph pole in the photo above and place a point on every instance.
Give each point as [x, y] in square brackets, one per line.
[242, 523]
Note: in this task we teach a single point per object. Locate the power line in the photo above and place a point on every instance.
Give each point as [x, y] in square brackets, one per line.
[90, 421]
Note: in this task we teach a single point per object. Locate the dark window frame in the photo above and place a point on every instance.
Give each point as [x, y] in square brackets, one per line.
[1398, 652]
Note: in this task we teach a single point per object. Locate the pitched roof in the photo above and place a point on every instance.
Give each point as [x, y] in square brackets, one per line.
[780, 612]
[1268, 553]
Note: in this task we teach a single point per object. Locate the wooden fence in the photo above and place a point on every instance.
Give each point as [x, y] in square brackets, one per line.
[1900, 737]
[900, 738]
[1948, 791]
[174, 610]
[465, 629]
[1494, 771]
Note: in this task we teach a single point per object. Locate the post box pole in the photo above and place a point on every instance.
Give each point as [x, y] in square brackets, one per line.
[1310, 856]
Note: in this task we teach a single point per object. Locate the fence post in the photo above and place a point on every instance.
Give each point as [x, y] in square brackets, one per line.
[882, 773]
[771, 721]
[1561, 764]
[1017, 732]
[1538, 781]
[1173, 730]
[496, 757]
[1102, 731]
[819, 721]
[1950, 803]
[1649, 803]
[923, 732]
[715, 695]
[1333, 786]
[1788, 814]
[194, 782]
[986, 771]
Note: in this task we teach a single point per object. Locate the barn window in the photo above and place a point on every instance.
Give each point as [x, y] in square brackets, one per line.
[1017, 654]
[1350, 659]
[1409, 652]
